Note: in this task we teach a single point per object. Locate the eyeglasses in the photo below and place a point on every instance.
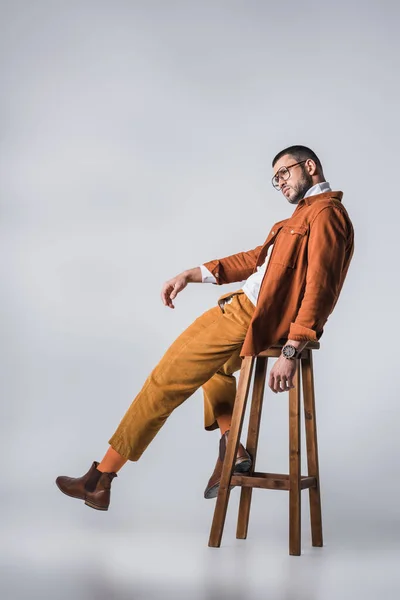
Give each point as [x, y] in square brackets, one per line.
[284, 173]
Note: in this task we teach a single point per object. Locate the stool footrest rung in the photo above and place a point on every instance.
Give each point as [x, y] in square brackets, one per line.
[271, 481]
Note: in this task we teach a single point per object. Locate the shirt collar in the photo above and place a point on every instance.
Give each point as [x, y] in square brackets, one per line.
[318, 188]
[319, 191]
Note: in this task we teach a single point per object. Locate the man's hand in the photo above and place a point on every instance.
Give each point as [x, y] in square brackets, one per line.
[282, 373]
[172, 287]
[175, 285]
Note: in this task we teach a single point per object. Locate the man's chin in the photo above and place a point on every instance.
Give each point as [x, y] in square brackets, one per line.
[292, 196]
[292, 199]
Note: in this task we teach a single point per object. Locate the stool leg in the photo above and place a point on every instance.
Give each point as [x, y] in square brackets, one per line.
[252, 443]
[231, 451]
[294, 467]
[312, 447]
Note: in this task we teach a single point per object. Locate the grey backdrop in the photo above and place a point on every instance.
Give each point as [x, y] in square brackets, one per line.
[136, 142]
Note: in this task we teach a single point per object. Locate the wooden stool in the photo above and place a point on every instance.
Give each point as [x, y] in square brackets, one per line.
[294, 482]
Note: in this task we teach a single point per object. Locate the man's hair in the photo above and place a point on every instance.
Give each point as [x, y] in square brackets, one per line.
[299, 153]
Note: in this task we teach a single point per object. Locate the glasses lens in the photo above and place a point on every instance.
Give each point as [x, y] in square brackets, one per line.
[283, 173]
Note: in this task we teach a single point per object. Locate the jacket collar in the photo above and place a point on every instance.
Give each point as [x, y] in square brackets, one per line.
[323, 196]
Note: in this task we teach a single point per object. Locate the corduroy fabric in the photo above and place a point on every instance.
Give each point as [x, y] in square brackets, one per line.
[310, 258]
[206, 354]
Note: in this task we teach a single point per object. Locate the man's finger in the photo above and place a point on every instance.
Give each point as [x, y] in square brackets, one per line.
[290, 382]
[283, 384]
[167, 301]
[271, 383]
[164, 297]
[175, 291]
[164, 292]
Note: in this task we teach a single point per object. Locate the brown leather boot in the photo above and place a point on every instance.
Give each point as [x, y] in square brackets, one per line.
[94, 487]
[242, 465]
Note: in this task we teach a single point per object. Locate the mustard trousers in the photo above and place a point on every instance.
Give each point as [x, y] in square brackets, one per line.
[205, 354]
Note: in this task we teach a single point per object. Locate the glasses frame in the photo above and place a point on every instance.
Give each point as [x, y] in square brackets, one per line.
[277, 187]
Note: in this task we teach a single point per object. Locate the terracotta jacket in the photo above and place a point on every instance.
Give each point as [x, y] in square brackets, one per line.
[310, 258]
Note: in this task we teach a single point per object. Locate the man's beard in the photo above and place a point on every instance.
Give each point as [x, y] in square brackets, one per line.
[301, 188]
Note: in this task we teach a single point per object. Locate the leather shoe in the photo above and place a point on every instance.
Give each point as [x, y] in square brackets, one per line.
[242, 465]
[94, 487]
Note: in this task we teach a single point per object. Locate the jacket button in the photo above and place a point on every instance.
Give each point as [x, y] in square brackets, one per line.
[216, 275]
[272, 232]
[292, 231]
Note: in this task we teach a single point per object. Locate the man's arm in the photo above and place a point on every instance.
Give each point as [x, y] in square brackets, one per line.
[329, 244]
[206, 275]
[327, 247]
[236, 267]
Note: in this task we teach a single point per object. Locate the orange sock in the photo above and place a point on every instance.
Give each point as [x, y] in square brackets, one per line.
[112, 462]
[224, 423]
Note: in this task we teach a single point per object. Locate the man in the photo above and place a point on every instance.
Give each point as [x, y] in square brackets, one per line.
[292, 283]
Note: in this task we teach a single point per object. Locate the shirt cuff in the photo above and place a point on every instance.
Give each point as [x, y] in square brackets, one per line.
[206, 275]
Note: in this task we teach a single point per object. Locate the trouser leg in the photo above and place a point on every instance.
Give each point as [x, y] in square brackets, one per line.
[195, 356]
[220, 391]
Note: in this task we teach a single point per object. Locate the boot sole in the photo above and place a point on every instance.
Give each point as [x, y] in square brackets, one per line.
[242, 467]
[213, 492]
[95, 506]
[88, 503]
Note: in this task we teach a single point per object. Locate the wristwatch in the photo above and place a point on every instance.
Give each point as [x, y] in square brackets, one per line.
[290, 351]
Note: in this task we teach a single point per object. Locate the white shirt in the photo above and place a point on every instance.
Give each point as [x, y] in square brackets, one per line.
[252, 285]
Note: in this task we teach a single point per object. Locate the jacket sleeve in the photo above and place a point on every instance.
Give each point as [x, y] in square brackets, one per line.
[329, 252]
[236, 267]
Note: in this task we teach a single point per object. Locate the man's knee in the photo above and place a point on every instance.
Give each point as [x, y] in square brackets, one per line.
[232, 365]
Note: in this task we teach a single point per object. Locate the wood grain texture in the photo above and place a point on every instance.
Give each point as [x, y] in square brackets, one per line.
[312, 448]
[270, 481]
[294, 467]
[252, 443]
[221, 506]
[293, 482]
[275, 350]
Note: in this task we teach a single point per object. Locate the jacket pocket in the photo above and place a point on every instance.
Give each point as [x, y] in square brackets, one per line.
[288, 244]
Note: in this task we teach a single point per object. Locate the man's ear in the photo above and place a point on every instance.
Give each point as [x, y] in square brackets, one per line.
[311, 166]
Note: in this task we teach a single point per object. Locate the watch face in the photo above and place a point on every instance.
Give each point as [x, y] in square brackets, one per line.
[289, 351]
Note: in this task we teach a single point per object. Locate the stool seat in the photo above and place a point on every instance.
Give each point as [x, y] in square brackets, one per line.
[293, 482]
[275, 349]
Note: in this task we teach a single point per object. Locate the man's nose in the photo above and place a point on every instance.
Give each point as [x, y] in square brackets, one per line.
[281, 179]
[282, 182]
